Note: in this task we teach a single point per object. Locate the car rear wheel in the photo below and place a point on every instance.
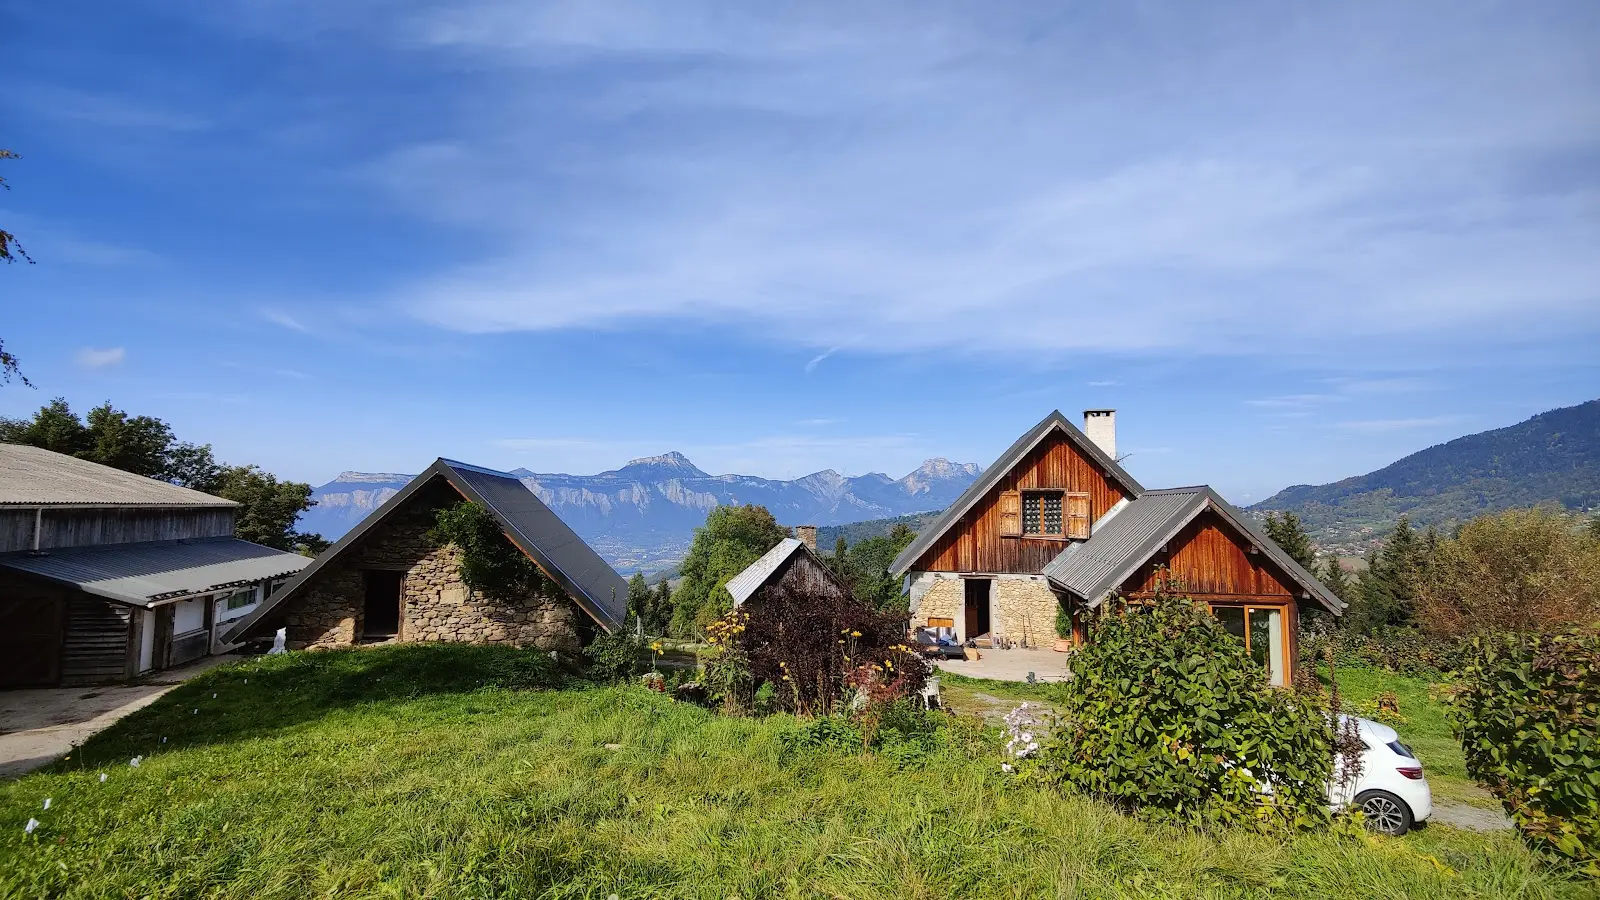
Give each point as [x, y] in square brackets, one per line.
[1386, 813]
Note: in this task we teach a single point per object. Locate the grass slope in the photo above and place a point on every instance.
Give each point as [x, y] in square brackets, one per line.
[468, 772]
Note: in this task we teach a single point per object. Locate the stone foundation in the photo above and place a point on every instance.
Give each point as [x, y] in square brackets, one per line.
[435, 604]
[1022, 608]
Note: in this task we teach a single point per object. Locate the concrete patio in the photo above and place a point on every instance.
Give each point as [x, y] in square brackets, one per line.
[1011, 665]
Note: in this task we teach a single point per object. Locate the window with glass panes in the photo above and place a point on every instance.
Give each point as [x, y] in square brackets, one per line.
[1042, 513]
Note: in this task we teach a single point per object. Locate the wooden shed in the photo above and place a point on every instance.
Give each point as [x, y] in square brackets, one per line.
[106, 575]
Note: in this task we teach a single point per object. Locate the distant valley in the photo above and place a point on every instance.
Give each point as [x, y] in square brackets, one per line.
[642, 516]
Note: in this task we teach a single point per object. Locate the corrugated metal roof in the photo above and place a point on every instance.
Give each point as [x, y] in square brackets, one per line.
[553, 545]
[1002, 467]
[527, 522]
[145, 573]
[30, 476]
[1115, 550]
[742, 585]
[1094, 567]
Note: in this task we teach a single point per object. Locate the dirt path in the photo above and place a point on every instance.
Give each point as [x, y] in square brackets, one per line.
[39, 726]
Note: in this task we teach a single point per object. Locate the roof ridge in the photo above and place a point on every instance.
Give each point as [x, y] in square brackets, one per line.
[458, 464]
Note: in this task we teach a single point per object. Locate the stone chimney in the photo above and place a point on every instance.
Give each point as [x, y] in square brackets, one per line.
[807, 535]
[1101, 427]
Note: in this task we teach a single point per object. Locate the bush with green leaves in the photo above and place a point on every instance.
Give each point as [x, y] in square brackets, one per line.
[1528, 715]
[614, 656]
[489, 561]
[1166, 714]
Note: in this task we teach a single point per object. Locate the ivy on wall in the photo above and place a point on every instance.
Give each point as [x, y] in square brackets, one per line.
[490, 563]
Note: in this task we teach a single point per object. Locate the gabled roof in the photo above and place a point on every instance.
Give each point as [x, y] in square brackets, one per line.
[31, 476]
[1002, 467]
[151, 572]
[526, 521]
[1126, 541]
[761, 572]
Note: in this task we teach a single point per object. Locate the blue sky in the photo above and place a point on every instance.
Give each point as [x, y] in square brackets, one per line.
[1289, 244]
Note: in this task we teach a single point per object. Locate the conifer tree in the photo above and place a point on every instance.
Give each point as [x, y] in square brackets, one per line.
[1288, 532]
[1334, 579]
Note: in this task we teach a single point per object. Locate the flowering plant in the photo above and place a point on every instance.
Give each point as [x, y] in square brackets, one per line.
[1028, 727]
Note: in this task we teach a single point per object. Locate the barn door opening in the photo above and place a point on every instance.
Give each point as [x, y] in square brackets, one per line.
[380, 614]
[977, 608]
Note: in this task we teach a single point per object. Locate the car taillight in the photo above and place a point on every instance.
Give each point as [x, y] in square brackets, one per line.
[1412, 772]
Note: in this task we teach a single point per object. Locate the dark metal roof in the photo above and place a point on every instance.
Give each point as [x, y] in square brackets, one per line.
[147, 573]
[1130, 538]
[32, 476]
[999, 469]
[526, 521]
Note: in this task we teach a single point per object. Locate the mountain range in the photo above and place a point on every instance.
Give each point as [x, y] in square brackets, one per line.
[1553, 457]
[642, 516]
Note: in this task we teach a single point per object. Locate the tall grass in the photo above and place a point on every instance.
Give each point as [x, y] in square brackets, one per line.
[419, 772]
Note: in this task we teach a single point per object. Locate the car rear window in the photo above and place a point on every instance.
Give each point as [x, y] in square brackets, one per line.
[1402, 749]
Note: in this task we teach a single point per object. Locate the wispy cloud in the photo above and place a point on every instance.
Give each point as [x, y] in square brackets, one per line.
[954, 216]
[1105, 384]
[284, 320]
[818, 423]
[103, 110]
[1294, 401]
[1403, 424]
[92, 358]
[817, 360]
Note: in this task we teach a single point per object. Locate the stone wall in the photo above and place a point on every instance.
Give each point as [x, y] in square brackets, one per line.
[944, 598]
[1022, 608]
[435, 604]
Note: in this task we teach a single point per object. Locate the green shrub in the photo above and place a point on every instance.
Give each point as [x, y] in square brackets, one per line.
[489, 561]
[1528, 715]
[1063, 621]
[1403, 651]
[614, 656]
[1167, 714]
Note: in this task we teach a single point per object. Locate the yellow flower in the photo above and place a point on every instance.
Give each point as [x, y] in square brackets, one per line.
[855, 634]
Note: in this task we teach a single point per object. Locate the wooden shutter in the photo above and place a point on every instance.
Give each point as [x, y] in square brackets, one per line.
[1078, 516]
[1010, 513]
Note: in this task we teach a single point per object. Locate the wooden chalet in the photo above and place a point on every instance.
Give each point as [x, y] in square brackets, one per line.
[1057, 523]
[106, 575]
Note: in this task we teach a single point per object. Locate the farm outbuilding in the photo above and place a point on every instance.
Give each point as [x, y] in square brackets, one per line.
[392, 579]
[106, 575]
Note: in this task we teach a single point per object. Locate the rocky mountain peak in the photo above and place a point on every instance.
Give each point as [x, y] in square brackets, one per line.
[671, 464]
[939, 467]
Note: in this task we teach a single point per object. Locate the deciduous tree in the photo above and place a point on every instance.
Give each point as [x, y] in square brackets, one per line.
[732, 538]
[1516, 571]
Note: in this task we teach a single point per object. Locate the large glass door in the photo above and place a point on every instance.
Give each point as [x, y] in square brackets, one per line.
[1260, 628]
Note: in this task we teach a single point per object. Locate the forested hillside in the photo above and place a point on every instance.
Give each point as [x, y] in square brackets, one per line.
[1552, 457]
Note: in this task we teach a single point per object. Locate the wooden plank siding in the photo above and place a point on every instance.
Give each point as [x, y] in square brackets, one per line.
[62, 528]
[98, 642]
[1208, 559]
[975, 544]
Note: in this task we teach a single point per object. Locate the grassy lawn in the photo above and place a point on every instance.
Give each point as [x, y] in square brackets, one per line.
[471, 772]
[1426, 731]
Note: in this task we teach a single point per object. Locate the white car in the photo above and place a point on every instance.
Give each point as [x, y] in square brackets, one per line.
[1391, 790]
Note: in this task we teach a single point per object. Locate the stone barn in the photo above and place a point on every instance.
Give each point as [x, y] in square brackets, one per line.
[389, 579]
